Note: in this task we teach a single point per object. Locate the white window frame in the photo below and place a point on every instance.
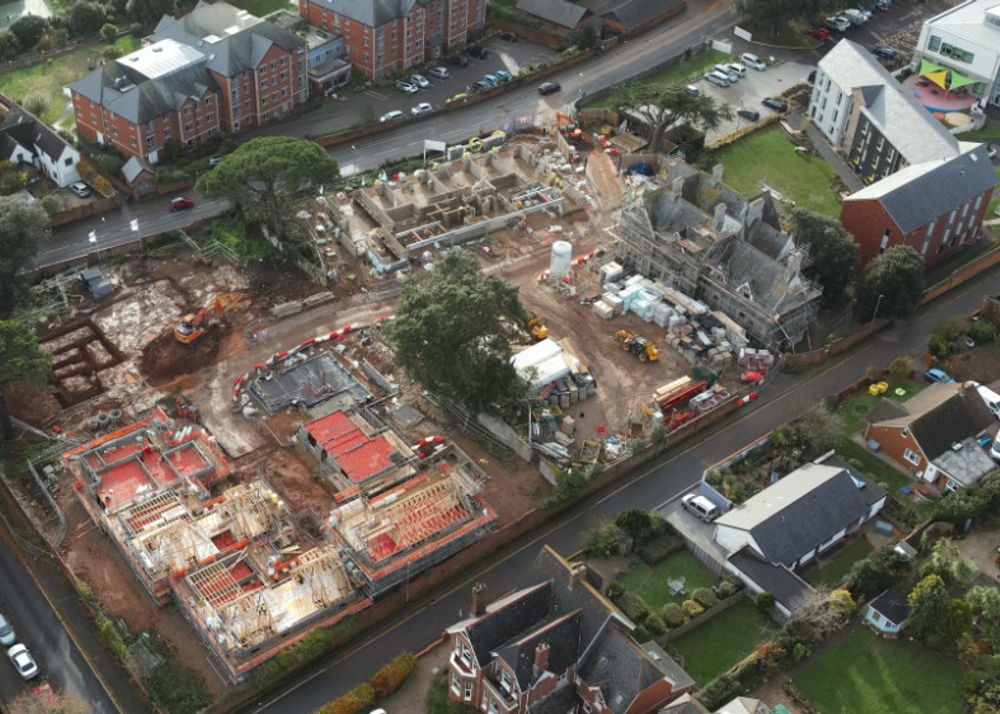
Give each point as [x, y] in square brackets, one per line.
[912, 456]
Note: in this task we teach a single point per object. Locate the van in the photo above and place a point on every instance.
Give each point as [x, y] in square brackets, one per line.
[726, 72]
[701, 507]
[995, 449]
[717, 79]
[990, 398]
[855, 16]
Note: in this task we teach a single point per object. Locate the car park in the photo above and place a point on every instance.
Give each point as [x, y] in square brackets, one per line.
[753, 61]
[394, 115]
[459, 60]
[7, 635]
[726, 72]
[701, 507]
[884, 52]
[775, 104]
[819, 33]
[439, 72]
[503, 75]
[549, 88]
[716, 79]
[407, 87]
[748, 114]
[180, 203]
[422, 108]
[508, 36]
[476, 51]
[79, 188]
[739, 69]
[420, 81]
[936, 376]
[491, 79]
[23, 662]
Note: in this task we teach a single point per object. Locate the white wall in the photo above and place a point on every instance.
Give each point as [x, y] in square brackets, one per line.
[732, 538]
[829, 107]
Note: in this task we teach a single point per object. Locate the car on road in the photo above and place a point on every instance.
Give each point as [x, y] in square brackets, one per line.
[407, 87]
[753, 61]
[549, 88]
[7, 635]
[936, 376]
[819, 33]
[439, 72]
[23, 662]
[459, 60]
[422, 108]
[503, 75]
[420, 80]
[476, 51]
[79, 188]
[884, 52]
[394, 115]
[508, 36]
[775, 104]
[748, 114]
[180, 203]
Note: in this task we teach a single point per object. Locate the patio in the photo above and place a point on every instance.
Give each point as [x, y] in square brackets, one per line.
[926, 87]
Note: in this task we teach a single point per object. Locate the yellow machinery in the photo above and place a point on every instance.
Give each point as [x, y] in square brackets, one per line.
[538, 331]
[642, 348]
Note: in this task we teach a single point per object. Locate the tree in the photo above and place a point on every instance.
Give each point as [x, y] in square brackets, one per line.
[636, 522]
[897, 276]
[602, 540]
[773, 15]
[900, 370]
[23, 227]
[928, 602]
[263, 175]
[20, 361]
[9, 46]
[661, 107]
[947, 562]
[85, 18]
[453, 332]
[955, 622]
[109, 32]
[149, 12]
[48, 701]
[36, 102]
[28, 29]
[835, 255]
[985, 603]
[878, 572]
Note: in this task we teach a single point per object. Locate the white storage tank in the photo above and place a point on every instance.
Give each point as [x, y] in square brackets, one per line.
[562, 256]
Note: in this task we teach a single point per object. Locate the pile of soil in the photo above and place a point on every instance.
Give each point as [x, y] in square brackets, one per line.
[165, 358]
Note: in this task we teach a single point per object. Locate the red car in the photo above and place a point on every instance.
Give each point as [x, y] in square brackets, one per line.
[820, 33]
[180, 203]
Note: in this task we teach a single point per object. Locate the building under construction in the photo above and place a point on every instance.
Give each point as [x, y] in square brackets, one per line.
[695, 234]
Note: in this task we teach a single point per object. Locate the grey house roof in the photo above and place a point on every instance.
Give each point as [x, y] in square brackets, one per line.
[960, 417]
[634, 13]
[917, 194]
[965, 462]
[787, 587]
[372, 12]
[34, 135]
[135, 166]
[886, 410]
[803, 510]
[891, 606]
[558, 12]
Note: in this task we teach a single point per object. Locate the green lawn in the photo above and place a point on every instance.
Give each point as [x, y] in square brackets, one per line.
[767, 155]
[50, 77]
[855, 408]
[865, 674]
[839, 565]
[886, 474]
[714, 647]
[651, 583]
[686, 71]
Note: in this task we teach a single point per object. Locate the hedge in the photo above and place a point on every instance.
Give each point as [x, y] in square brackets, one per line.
[632, 606]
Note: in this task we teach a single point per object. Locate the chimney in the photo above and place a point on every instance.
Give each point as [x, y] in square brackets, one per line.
[719, 218]
[793, 265]
[478, 599]
[577, 574]
[716, 176]
[541, 659]
[756, 212]
[677, 187]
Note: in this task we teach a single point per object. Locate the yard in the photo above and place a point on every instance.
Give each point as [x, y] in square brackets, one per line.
[650, 583]
[838, 565]
[712, 648]
[870, 675]
[805, 178]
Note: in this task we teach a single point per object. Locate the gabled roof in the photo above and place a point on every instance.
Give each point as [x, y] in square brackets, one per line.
[558, 12]
[965, 462]
[372, 13]
[634, 13]
[135, 166]
[891, 606]
[919, 404]
[959, 417]
[917, 194]
[34, 135]
[886, 410]
[562, 636]
[744, 705]
[787, 587]
[803, 510]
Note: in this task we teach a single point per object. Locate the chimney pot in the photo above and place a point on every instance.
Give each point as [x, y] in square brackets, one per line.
[541, 659]
[478, 599]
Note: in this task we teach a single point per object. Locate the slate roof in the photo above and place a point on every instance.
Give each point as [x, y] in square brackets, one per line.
[965, 463]
[34, 135]
[886, 410]
[787, 587]
[891, 606]
[372, 12]
[561, 635]
[634, 13]
[135, 166]
[767, 280]
[961, 416]
[558, 12]
[917, 194]
[803, 510]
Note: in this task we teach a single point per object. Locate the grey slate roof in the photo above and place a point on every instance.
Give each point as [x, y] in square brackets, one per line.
[917, 194]
[634, 13]
[563, 638]
[891, 606]
[372, 12]
[766, 279]
[558, 12]
[803, 510]
[962, 416]
[787, 587]
[966, 464]
[886, 410]
[34, 135]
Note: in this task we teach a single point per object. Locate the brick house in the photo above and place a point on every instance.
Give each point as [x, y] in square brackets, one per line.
[386, 37]
[934, 435]
[557, 646]
[216, 69]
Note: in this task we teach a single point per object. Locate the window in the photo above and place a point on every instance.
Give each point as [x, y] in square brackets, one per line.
[263, 86]
[68, 162]
[957, 53]
[149, 125]
[912, 457]
[366, 42]
[208, 101]
[274, 65]
[284, 61]
[133, 141]
[905, 433]
[456, 686]
[187, 111]
[187, 128]
[263, 102]
[934, 44]
[210, 118]
[166, 133]
[467, 695]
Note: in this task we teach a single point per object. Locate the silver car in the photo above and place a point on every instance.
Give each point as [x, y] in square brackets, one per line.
[7, 634]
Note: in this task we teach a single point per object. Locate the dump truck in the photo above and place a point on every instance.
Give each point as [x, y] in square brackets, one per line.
[193, 327]
[638, 345]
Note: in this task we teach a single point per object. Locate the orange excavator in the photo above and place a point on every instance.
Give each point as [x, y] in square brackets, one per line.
[193, 327]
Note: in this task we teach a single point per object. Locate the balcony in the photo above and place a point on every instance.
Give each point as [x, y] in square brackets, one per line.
[461, 665]
[507, 700]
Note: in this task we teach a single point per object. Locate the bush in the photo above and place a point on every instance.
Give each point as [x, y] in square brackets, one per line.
[728, 587]
[603, 540]
[873, 374]
[632, 606]
[655, 625]
[900, 369]
[764, 601]
[720, 690]
[672, 615]
[656, 550]
[982, 332]
[641, 634]
[691, 608]
[391, 677]
[705, 597]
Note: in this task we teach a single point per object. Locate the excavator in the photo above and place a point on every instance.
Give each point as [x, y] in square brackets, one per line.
[538, 331]
[193, 327]
[642, 348]
[569, 129]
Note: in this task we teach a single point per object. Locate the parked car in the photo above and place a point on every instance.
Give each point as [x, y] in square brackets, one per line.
[7, 635]
[855, 16]
[549, 88]
[838, 23]
[717, 79]
[722, 75]
[439, 72]
[180, 203]
[479, 86]
[775, 104]
[420, 80]
[726, 72]
[741, 70]
[394, 115]
[701, 507]
[748, 114]
[884, 52]
[935, 375]
[812, 77]
[693, 90]
[476, 51]
[819, 33]
[491, 79]
[503, 75]
[459, 60]
[508, 36]
[461, 96]
[753, 61]
[79, 188]
[23, 662]
[422, 108]
[407, 87]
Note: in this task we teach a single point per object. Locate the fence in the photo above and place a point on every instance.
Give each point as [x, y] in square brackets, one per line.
[211, 249]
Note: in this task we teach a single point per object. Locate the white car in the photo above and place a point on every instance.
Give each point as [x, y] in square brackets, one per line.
[422, 108]
[394, 115]
[753, 61]
[439, 72]
[420, 80]
[79, 188]
[407, 87]
[23, 661]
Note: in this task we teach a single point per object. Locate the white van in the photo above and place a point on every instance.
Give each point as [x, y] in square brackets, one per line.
[701, 507]
[995, 449]
[990, 398]
[717, 79]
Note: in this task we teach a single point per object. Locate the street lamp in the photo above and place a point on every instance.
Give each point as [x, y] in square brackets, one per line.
[875, 314]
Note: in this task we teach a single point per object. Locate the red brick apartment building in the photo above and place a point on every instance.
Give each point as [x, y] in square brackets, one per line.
[217, 69]
[386, 37]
